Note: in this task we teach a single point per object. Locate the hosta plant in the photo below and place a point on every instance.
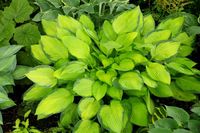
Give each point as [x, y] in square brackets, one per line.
[102, 78]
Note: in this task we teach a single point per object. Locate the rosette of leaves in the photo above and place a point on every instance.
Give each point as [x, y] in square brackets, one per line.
[110, 73]
[177, 120]
[7, 66]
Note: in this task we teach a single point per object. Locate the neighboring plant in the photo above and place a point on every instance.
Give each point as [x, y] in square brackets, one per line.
[99, 10]
[107, 76]
[23, 126]
[177, 120]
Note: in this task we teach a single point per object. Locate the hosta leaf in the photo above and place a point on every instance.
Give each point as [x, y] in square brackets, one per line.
[54, 103]
[55, 3]
[49, 27]
[181, 131]
[164, 50]
[158, 72]
[69, 115]
[7, 28]
[131, 81]
[127, 21]
[172, 24]
[149, 24]
[149, 103]
[68, 23]
[61, 32]
[83, 87]
[178, 114]
[109, 46]
[139, 113]
[86, 22]
[35, 93]
[185, 50]
[88, 108]
[196, 110]
[27, 34]
[39, 54]
[71, 71]
[76, 47]
[138, 58]
[162, 90]
[106, 77]
[1, 121]
[54, 48]
[194, 126]
[87, 126]
[184, 39]
[42, 76]
[160, 130]
[20, 72]
[126, 39]
[188, 83]
[109, 31]
[157, 36]
[124, 65]
[180, 67]
[99, 90]
[148, 81]
[5, 102]
[80, 34]
[112, 116]
[18, 10]
[138, 93]
[115, 93]
[166, 123]
[71, 3]
[6, 79]
[7, 51]
[8, 64]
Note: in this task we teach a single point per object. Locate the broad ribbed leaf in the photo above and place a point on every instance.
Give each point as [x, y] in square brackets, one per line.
[112, 116]
[76, 47]
[5, 102]
[115, 93]
[49, 27]
[157, 36]
[109, 31]
[131, 81]
[80, 34]
[162, 90]
[42, 76]
[158, 72]
[124, 65]
[106, 77]
[54, 48]
[20, 72]
[87, 22]
[88, 108]
[166, 123]
[83, 87]
[7, 51]
[184, 39]
[36, 93]
[99, 90]
[8, 64]
[71, 71]
[160, 130]
[54, 103]
[108, 47]
[127, 21]
[149, 24]
[6, 79]
[148, 81]
[180, 67]
[87, 126]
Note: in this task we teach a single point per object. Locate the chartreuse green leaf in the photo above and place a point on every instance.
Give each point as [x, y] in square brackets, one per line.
[178, 114]
[7, 51]
[61, 32]
[88, 108]
[162, 90]
[27, 34]
[148, 81]
[165, 50]
[184, 39]
[127, 21]
[20, 72]
[115, 93]
[83, 87]
[69, 23]
[138, 58]
[87, 126]
[86, 22]
[35, 93]
[108, 47]
[54, 103]
[149, 103]
[39, 54]
[8, 64]
[76, 47]
[172, 24]
[131, 81]
[158, 72]
[126, 39]
[43, 76]
[70, 71]
[49, 27]
[188, 83]
[105, 61]
[185, 50]
[149, 24]
[138, 93]
[109, 31]
[139, 113]
[182, 95]
[69, 115]
[112, 116]
[106, 77]
[54, 48]
[99, 90]
[18, 10]
[5, 101]
[157, 36]
[80, 34]
[124, 65]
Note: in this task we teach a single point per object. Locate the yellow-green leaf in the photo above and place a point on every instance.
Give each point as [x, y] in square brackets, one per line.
[149, 24]
[49, 27]
[87, 126]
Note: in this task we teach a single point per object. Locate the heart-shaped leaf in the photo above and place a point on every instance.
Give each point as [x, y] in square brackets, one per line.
[99, 90]
[106, 77]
